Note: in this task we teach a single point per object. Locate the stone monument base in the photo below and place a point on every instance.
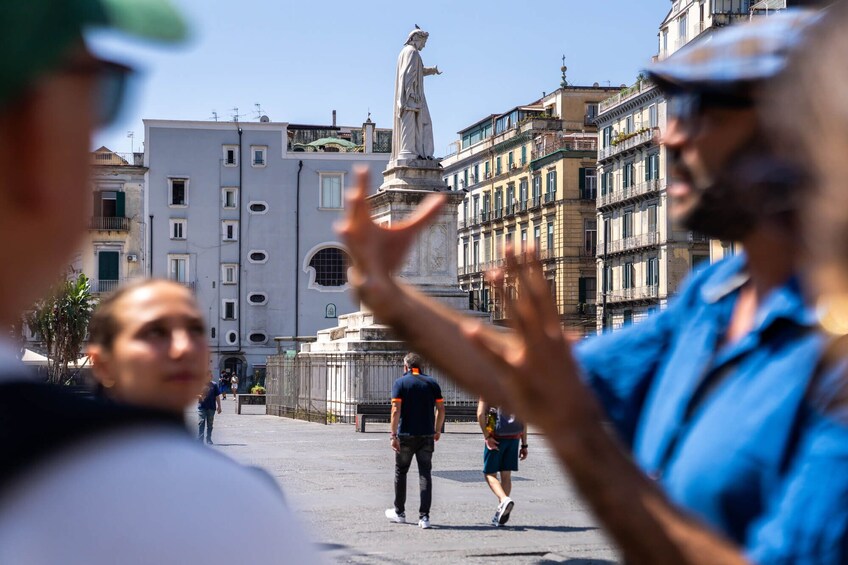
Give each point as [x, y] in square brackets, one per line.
[414, 174]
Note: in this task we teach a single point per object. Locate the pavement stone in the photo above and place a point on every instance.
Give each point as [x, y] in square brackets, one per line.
[340, 483]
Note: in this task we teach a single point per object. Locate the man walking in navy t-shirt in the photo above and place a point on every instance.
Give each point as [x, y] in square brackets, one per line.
[415, 429]
[207, 404]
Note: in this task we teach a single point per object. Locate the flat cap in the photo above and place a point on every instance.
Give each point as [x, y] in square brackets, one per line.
[735, 59]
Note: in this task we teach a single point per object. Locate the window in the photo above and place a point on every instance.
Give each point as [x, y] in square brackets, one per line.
[178, 229]
[109, 204]
[257, 298]
[629, 273]
[550, 236]
[178, 192]
[330, 265]
[229, 197]
[456, 182]
[591, 112]
[229, 230]
[232, 337]
[627, 224]
[231, 155]
[682, 25]
[331, 190]
[700, 262]
[476, 175]
[587, 183]
[608, 279]
[257, 207]
[257, 256]
[537, 237]
[257, 337]
[652, 166]
[475, 207]
[523, 240]
[652, 218]
[628, 172]
[258, 155]
[522, 193]
[587, 289]
[229, 273]
[330, 311]
[653, 120]
[499, 244]
[498, 202]
[486, 169]
[228, 309]
[590, 237]
[552, 185]
[475, 253]
[652, 272]
[604, 188]
[537, 187]
[607, 137]
[523, 155]
[627, 317]
[498, 165]
[465, 254]
[178, 268]
[510, 160]
[487, 204]
[628, 124]
[510, 198]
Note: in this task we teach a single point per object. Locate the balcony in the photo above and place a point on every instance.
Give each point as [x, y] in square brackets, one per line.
[629, 142]
[632, 243]
[635, 294]
[643, 189]
[550, 144]
[108, 223]
[105, 286]
[625, 94]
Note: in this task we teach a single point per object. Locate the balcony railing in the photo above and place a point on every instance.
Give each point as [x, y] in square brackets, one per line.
[628, 192]
[102, 286]
[641, 138]
[633, 242]
[625, 94]
[106, 223]
[553, 144]
[637, 293]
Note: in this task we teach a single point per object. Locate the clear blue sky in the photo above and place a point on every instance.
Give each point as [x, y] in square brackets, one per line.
[302, 60]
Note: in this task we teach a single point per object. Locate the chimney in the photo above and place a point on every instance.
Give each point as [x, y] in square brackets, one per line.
[368, 136]
[334, 118]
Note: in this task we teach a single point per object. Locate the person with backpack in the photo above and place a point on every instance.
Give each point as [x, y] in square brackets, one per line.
[505, 442]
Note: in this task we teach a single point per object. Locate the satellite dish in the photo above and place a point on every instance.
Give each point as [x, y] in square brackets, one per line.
[264, 119]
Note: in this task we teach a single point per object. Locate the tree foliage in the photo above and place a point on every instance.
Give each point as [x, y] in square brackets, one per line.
[61, 322]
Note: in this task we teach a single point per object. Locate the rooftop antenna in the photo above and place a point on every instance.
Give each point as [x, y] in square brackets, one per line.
[131, 135]
[214, 115]
[236, 115]
[258, 110]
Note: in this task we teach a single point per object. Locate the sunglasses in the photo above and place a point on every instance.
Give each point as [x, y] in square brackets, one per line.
[689, 107]
[111, 86]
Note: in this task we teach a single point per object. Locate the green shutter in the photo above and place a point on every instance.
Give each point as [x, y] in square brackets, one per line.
[582, 181]
[96, 207]
[120, 207]
[581, 290]
[107, 266]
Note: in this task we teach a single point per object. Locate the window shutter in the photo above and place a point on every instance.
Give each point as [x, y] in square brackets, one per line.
[581, 290]
[96, 207]
[582, 178]
[120, 206]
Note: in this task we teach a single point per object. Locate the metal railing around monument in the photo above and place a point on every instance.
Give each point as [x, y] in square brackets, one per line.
[327, 387]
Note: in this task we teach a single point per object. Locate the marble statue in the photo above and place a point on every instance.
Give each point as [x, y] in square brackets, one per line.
[412, 136]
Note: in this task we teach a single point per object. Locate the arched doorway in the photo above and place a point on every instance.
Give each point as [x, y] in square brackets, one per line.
[235, 366]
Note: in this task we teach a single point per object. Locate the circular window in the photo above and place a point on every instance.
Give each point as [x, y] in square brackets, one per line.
[257, 256]
[257, 298]
[232, 337]
[257, 207]
[257, 337]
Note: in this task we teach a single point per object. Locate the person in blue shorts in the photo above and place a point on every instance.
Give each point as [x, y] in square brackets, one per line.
[505, 440]
[418, 412]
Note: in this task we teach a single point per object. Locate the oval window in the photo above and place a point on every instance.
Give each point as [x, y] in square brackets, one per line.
[257, 298]
[232, 337]
[257, 337]
[258, 207]
[258, 256]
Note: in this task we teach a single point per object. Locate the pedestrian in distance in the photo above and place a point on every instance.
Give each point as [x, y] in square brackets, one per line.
[718, 455]
[234, 382]
[504, 443]
[208, 403]
[418, 413]
[94, 480]
[224, 384]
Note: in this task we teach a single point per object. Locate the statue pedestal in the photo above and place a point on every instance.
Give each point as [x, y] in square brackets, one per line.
[414, 174]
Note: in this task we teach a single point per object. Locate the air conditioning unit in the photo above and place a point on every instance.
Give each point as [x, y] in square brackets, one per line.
[132, 258]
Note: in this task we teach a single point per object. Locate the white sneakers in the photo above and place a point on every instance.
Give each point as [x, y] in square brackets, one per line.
[502, 515]
[395, 517]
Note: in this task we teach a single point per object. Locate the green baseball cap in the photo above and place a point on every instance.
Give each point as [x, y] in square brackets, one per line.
[35, 34]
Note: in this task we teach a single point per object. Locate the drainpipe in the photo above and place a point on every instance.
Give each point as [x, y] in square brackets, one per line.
[238, 283]
[297, 253]
[150, 255]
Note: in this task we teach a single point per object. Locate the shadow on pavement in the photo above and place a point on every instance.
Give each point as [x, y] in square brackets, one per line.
[489, 527]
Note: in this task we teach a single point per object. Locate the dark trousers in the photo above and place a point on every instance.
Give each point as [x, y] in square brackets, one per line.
[422, 448]
[205, 418]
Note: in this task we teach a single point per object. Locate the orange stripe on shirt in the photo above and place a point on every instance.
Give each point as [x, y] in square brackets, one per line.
[440, 400]
[396, 400]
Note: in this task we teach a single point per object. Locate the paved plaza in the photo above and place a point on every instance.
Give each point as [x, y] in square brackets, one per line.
[340, 482]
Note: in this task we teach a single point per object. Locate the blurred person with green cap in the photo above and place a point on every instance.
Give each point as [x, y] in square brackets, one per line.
[695, 436]
[82, 480]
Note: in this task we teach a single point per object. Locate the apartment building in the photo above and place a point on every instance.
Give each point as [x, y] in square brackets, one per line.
[243, 213]
[529, 175]
[113, 252]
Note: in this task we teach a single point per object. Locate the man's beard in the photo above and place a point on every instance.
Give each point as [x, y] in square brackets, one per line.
[754, 187]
